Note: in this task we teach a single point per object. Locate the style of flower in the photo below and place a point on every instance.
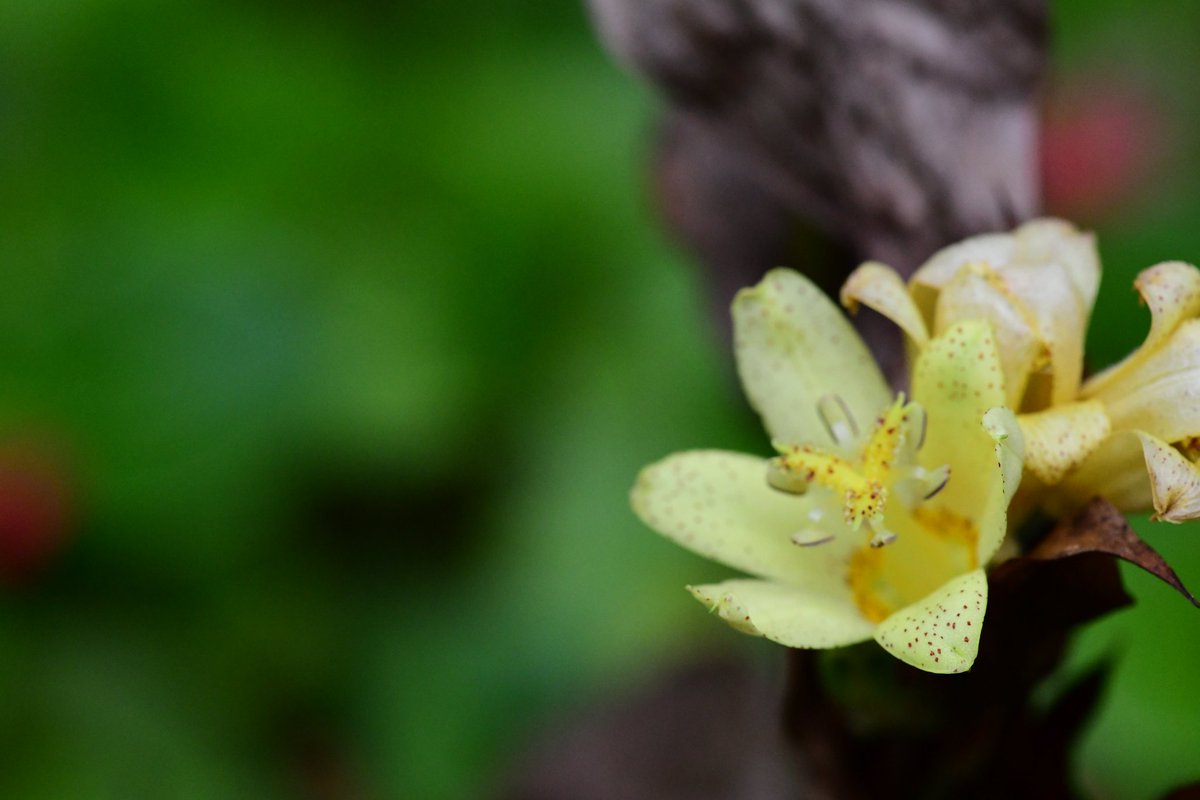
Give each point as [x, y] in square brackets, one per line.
[877, 516]
[1036, 287]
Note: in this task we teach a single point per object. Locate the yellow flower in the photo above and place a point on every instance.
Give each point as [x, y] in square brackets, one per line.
[877, 516]
[1036, 286]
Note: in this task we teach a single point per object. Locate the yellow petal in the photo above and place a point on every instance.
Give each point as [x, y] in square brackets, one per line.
[796, 616]
[957, 379]
[719, 505]
[1172, 291]
[978, 292]
[941, 632]
[1174, 481]
[1059, 439]
[1160, 391]
[931, 277]
[1059, 244]
[1001, 425]
[1061, 314]
[1047, 244]
[793, 346]
[879, 287]
[1116, 471]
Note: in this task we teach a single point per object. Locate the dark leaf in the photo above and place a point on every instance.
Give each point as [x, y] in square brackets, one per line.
[1189, 792]
[1100, 528]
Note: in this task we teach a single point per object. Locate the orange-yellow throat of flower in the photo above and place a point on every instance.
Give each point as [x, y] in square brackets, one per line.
[926, 545]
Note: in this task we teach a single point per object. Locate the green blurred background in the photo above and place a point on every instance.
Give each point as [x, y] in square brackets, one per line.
[332, 336]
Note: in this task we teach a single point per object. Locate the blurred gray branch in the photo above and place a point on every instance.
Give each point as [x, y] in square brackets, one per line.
[896, 126]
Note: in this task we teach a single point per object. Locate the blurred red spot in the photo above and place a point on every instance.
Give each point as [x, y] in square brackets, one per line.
[34, 511]
[1101, 139]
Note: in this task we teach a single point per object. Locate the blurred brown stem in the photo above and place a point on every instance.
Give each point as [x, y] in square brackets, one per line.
[893, 127]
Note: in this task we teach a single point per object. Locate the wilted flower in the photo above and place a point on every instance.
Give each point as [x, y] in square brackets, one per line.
[1036, 286]
[878, 515]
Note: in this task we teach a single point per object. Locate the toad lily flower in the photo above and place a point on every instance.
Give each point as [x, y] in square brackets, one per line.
[1036, 286]
[1152, 400]
[878, 515]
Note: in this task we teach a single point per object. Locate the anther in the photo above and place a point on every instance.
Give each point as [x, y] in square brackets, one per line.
[923, 423]
[811, 537]
[938, 480]
[782, 479]
[880, 536]
[838, 419]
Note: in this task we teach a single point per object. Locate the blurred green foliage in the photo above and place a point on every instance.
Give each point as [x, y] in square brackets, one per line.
[346, 328]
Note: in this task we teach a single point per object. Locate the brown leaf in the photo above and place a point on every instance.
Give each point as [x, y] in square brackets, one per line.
[1100, 528]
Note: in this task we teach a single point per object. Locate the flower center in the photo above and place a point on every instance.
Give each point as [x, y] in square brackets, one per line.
[933, 547]
[885, 463]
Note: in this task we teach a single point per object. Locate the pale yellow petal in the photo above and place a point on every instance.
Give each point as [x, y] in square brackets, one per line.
[1172, 291]
[1116, 471]
[719, 505]
[1001, 425]
[1059, 439]
[879, 287]
[957, 379]
[793, 346]
[796, 616]
[1174, 481]
[1060, 244]
[1160, 393]
[978, 292]
[941, 632]
[1061, 316]
[1045, 243]
[993, 249]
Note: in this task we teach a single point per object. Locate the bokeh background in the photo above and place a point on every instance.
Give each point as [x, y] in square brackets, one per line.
[332, 336]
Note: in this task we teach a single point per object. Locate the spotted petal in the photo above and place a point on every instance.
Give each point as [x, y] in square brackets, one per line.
[879, 287]
[977, 292]
[1003, 428]
[1061, 316]
[796, 616]
[1172, 291]
[957, 379]
[1059, 439]
[1159, 391]
[1174, 481]
[794, 346]
[1043, 243]
[719, 505]
[1115, 471]
[941, 632]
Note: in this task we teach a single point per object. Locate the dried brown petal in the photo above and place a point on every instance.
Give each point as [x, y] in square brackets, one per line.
[1100, 528]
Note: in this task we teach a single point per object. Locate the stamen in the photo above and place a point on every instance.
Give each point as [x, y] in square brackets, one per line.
[838, 419]
[880, 536]
[811, 537]
[938, 480]
[859, 484]
[782, 479]
[922, 420]
[915, 484]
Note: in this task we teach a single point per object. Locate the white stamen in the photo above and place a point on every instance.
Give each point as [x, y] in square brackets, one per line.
[937, 480]
[882, 538]
[811, 537]
[784, 480]
[880, 535]
[838, 419]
